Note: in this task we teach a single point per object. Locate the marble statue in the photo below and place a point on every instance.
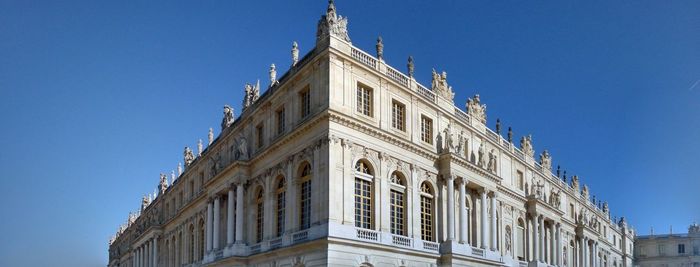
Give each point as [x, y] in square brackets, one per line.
[215, 164]
[498, 126]
[475, 109]
[492, 161]
[585, 193]
[574, 181]
[189, 157]
[242, 153]
[510, 135]
[273, 75]
[163, 183]
[200, 148]
[211, 134]
[144, 202]
[526, 146]
[509, 241]
[411, 67]
[295, 53]
[555, 198]
[252, 93]
[332, 24]
[546, 160]
[179, 169]
[380, 48]
[538, 189]
[449, 140]
[461, 140]
[228, 117]
[565, 257]
[440, 86]
[481, 162]
[172, 176]
[605, 207]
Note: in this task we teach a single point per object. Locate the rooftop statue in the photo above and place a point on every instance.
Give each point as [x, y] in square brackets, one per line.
[411, 66]
[211, 133]
[179, 169]
[574, 181]
[546, 160]
[200, 148]
[189, 156]
[380, 48]
[440, 86]
[144, 202]
[526, 145]
[252, 93]
[273, 75]
[295, 53]
[694, 228]
[332, 24]
[476, 110]
[163, 183]
[585, 192]
[228, 118]
[606, 209]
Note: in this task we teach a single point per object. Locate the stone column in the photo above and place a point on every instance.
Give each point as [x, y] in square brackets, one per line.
[133, 257]
[217, 217]
[558, 246]
[449, 179]
[542, 243]
[239, 214]
[229, 217]
[484, 221]
[140, 257]
[155, 251]
[493, 228]
[580, 252]
[210, 219]
[463, 211]
[536, 239]
[585, 251]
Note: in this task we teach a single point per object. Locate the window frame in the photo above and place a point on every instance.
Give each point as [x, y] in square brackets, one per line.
[426, 131]
[398, 115]
[364, 100]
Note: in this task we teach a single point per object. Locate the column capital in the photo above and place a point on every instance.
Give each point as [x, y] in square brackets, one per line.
[494, 194]
[449, 177]
[482, 191]
[462, 181]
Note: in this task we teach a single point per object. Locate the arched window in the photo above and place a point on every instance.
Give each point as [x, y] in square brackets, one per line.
[397, 200]
[190, 254]
[281, 202]
[260, 214]
[200, 252]
[520, 240]
[363, 195]
[426, 212]
[305, 196]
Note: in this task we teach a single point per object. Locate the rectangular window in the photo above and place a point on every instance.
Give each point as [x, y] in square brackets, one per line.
[363, 203]
[398, 115]
[280, 121]
[572, 214]
[259, 221]
[519, 180]
[662, 250]
[681, 248]
[426, 218]
[426, 129]
[305, 204]
[280, 212]
[260, 135]
[397, 213]
[364, 100]
[305, 97]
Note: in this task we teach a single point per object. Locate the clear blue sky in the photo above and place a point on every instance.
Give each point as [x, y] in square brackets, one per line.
[97, 98]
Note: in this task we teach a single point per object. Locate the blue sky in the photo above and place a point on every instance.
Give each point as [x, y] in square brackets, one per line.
[98, 98]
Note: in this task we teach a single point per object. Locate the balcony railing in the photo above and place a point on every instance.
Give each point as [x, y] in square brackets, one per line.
[401, 240]
[367, 234]
[364, 58]
[300, 236]
[397, 76]
[427, 94]
[431, 245]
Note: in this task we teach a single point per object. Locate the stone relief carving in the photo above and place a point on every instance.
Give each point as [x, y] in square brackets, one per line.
[225, 122]
[440, 86]
[476, 110]
[546, 160]
[555, 198]
[252, 93]
[526, 145]
[492, 161]
[189, 156]
[242, 148]
[332, 24]
[509, 242]
[537, 189]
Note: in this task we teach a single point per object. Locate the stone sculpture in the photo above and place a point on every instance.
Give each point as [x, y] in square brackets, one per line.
[179, 169]
[510, 135]
[440, 86]
[526, 145]
[211, 133]
[411, 67]
[163, 183]
[380, 48]
[242, 148]
[509, 242]
[546, 160]
[189, 156]
[584, 192]
[252, 93]
[492, 161]
[449, 141]
[555, 198]
[295, 53]
[332, 24]
[273, 75]
[482, 161]
[228, 117]
[476, 110]
[460, 144]
[200, 148]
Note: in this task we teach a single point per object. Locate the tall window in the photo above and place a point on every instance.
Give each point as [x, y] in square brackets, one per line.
[681, 248]
[520, 180]
[572, 214]
[305, 97]
[397, 202]
[520, 240]
[398, 115]
[281, 202]
[280, 121]
[260, 135]
[200, 253]
[364, 100]
[305, 197]
[426, 212]
[363, 195]
[259, 220]
[190, 256]
[426, 129]
[662, 250]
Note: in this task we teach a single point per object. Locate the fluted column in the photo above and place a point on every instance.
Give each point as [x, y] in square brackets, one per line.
[239, 214]
[484, 221]
[217, 217]
[493, 228]
[586, 253]
[558, 246]
[536, 239]
[229, 217]
[449, 179]
[155, 251]
[542, 243]
[463, 211]
[210, 219]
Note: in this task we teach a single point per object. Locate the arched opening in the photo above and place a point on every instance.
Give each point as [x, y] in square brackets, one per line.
[280, 194]
[364, 178]
[427, 207]
[259, 214]
[305, 176]
[397, 200]
[190, 253]
[520, 240]
[201, 235]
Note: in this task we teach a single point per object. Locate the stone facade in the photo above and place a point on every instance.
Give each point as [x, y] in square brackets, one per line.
[668, 250]
[346, 161]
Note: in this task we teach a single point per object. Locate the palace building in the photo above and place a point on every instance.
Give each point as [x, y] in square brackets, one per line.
[668, 250]
[347, 161]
